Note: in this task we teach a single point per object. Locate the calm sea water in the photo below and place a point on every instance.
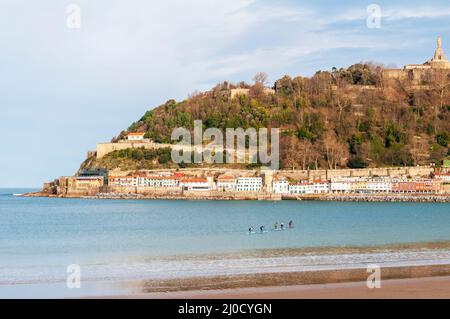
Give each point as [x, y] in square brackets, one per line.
[124, 240]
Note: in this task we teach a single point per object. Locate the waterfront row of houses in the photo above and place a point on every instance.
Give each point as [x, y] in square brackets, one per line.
[284, 186]
[224, 183]
[349, 185]
[89, 183]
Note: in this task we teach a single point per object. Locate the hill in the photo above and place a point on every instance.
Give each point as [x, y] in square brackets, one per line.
[340, 118]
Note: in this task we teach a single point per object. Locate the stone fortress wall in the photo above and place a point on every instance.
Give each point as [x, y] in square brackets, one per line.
[105, 148]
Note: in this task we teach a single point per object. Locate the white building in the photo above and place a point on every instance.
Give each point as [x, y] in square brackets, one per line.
[341, 185]
[226, 183]
[443, 177]
[303, 187]
[321, 187]
[142, 180]
[135, 136]
[195, 184]
[158, 181]
[249, 184]
[379, 185]
[280, 186]
[123, 181]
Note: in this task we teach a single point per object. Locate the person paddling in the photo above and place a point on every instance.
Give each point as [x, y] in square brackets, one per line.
[291, 224]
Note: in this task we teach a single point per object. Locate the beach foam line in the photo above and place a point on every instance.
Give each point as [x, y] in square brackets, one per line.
[153, 269]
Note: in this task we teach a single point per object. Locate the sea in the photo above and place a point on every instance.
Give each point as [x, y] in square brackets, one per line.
[113, 243]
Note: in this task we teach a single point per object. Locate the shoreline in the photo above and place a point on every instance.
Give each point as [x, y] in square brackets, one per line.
[196, 196]
[329, 272]
[396, 282]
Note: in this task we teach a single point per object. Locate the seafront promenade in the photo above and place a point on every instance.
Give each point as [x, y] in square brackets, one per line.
[223, 196]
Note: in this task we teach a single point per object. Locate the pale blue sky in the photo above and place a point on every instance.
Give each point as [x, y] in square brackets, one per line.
[63, 90]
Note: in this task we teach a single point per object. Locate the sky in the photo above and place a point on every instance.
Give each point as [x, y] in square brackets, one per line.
[64, 88]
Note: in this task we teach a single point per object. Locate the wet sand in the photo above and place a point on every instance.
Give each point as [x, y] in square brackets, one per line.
[417, 288]
[398, 282]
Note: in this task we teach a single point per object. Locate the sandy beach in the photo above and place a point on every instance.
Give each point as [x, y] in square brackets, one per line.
[422, 288]
[400, 282]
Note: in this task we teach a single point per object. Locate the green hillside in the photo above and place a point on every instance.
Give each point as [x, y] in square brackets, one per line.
[338, 118]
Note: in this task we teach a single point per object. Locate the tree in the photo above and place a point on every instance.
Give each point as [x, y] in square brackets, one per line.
[291, 154]
[439, 81]
[261, 78]
[443, 139]
[335, 151]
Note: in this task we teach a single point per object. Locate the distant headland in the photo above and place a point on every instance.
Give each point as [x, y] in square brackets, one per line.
[362, 130]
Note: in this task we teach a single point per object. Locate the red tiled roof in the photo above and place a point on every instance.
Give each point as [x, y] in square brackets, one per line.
[194, 180]
[162, 177]
[226, 178]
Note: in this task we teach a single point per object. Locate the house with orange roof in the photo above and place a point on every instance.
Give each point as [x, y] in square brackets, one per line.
[226, 183]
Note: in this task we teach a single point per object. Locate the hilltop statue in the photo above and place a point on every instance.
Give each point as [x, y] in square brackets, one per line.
[439, 55]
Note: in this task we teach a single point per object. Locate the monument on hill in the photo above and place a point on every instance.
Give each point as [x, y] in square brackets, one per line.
[417, 72]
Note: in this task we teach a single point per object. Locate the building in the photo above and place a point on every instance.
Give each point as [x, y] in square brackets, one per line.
[142, 180]
[320, 186]
[422, 186]
[195, 184]
[428, 186]
[445, 177]
[226, 183]
[358, 185]
[123, 181]
[379, 185]
[417, 73]
[268, 180]
[136, 136]
[249, 184]
[89, 183]
[341, 184]
[310, 187]
[403, 186]
[280, 186]
[95, 172]
[245, 91]
[302, 187]
[158, 181]
[80, 185]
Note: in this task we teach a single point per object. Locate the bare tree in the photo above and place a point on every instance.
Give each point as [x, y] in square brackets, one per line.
[261, 78]
[439, 81]
[335, 151]
[305, 148]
